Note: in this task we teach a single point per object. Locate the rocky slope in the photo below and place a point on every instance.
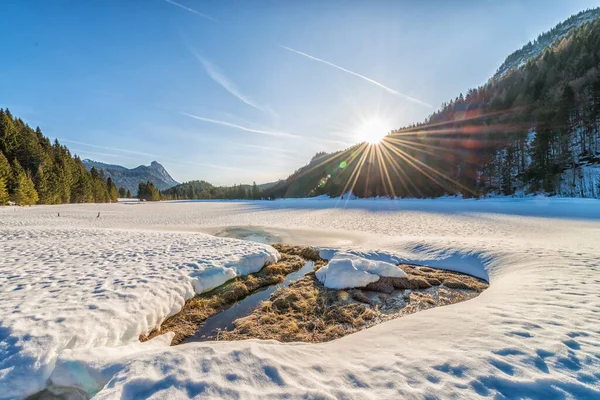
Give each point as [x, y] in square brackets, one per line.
[130, 178]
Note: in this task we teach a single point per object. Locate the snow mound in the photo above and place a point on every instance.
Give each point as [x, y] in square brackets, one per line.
[346, 271]
[74, 288]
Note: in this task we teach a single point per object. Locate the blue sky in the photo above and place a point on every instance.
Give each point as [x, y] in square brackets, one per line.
[240, 91]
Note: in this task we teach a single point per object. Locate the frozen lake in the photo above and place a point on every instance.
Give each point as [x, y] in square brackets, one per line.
[77, 291]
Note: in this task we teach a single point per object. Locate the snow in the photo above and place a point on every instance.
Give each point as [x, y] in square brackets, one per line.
[85, 288]
[534, 333]
[346, 271]
[583, 181]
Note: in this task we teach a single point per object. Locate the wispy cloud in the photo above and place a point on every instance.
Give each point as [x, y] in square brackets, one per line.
[242, 128]
[110, 148]
[215, 73]
[381, 85]
[95, 153]
[155, 156]
[279, 150]
[191, 10]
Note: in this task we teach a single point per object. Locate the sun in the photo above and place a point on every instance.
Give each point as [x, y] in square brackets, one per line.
[372, 130]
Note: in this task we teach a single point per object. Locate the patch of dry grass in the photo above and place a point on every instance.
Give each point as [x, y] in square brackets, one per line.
[306, 311]
[199, 308]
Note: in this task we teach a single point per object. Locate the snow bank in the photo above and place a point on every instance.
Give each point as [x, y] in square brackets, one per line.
[470, 262]
[66, 288]
[533, 334]
[347, 271]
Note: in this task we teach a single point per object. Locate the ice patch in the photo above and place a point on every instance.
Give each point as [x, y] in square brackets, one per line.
[211, 277]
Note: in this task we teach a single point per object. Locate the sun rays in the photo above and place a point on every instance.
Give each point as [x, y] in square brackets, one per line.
[419, 161]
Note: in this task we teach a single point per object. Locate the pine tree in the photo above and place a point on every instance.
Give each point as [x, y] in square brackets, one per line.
[82, 189]
[3, 192]
[147, 191]
[122, 192]
[9, 135]
[113, 192]
[5, 173]
[24, 193]
[129, 194]
[43, 187]
[255, 192]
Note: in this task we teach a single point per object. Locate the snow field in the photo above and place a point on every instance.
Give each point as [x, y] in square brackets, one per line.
[533, 333]
[85, 288]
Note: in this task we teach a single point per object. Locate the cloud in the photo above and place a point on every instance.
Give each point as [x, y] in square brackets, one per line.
[279, 150]
[109, 148]
[217, 75]
[386, 88]
[95, 153]
[180, 163]
[191, 10]
[242, 128]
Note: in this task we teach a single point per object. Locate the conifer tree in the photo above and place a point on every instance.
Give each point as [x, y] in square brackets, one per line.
[3, 192]
[82, 188]
[5, 173]
[113, 192]
[24, 193]
[42, 186]
[5, 170]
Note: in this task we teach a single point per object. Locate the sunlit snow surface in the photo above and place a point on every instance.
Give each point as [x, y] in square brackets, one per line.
[92, 284]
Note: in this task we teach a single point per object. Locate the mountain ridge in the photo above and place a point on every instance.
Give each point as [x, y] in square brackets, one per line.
[129, 178]
[533, 49]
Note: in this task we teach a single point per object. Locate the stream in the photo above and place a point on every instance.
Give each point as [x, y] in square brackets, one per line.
[242, 308]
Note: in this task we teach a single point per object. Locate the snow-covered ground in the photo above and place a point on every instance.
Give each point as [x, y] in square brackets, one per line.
[76, 290]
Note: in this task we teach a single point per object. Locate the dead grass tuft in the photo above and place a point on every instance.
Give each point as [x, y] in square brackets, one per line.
[198, 309]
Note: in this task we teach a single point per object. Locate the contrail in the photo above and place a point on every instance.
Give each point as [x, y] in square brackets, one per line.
[191, 10]
[388, 89]
[217, 75]
[243, 128]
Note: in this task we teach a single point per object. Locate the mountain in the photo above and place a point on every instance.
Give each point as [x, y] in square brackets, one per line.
[535, 49]
[130, 178]
[533, 129]
[268, 185]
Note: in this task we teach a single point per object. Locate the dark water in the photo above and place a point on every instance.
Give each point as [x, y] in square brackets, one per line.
[224, 320]
[251, 233]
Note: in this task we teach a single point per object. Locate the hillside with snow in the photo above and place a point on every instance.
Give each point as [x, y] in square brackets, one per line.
[534, 49]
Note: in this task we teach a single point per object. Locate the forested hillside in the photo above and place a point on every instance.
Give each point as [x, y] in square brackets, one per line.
[201, 190]
[535, 48]
[535, 130]
[35, 171]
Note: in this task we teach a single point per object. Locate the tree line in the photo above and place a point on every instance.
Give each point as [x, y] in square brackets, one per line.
[202, 190]
[33, 170]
